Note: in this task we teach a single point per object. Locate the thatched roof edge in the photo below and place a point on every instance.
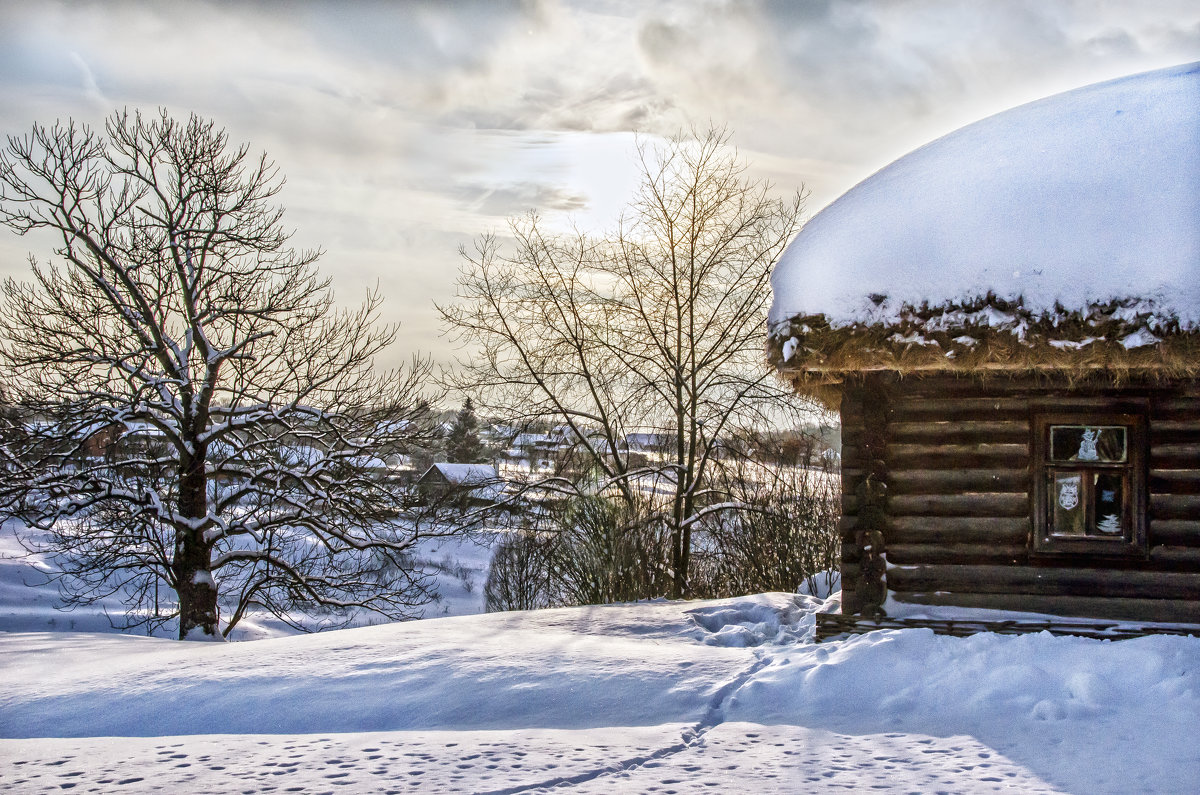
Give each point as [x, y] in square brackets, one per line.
[1116, 342]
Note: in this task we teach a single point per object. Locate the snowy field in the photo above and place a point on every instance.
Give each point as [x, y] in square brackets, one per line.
[660, 697]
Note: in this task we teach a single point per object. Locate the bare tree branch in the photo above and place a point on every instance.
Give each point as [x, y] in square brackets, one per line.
[196, 410]
[656, 329]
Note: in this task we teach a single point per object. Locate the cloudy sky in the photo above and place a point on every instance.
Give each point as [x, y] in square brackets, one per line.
[407, 129]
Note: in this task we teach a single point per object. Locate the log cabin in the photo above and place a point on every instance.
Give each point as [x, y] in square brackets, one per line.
[1008, 321]
[463, 485]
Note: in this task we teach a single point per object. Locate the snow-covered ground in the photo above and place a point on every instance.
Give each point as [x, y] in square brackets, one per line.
[656, 697]
[659, 697]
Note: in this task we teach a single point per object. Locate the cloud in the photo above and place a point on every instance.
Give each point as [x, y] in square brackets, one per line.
[1113, 42]
[90, 87]
[407, 128]
[504, 201]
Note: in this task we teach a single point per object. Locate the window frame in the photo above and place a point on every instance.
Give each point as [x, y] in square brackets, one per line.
[1092, 413]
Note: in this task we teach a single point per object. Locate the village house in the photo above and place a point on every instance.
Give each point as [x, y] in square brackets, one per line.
[1008, 320]
[465, 485]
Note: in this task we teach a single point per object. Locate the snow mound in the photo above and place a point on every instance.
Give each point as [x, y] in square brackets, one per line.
[822, 585]
[1071, 201]
[913, 677]
[747, 622]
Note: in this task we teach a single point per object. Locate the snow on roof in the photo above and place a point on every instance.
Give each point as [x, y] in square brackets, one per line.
[142, 428]
[367, 462]
[646, 440]
[530, 439]
[1077, 199]
[301, 455]
[466, 474]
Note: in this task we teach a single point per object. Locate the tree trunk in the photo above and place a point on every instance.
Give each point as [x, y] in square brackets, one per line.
[194, 583]
[677, 576]
[685, 548]
[681, 542]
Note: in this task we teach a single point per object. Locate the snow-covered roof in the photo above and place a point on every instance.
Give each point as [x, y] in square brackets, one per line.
[532, 439]
[1074, 200]
[648, 440]
[142, 428]
[301, 455]
[466, 474]
[367, 462]
[1060, 234]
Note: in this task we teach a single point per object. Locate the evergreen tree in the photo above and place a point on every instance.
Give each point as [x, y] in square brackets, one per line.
[462, 440]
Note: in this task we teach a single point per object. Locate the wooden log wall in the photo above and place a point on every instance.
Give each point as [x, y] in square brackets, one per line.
[958, 504]
[864, 587]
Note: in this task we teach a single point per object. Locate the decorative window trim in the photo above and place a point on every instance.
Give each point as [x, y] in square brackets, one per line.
[1092, 413]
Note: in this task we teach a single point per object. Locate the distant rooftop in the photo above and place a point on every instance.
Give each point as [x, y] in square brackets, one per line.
[466, 474]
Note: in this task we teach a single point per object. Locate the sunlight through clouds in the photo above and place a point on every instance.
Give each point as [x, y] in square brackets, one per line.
[405, 130]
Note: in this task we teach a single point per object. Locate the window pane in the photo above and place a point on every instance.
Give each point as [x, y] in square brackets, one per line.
[1103, 444]
[1069, 515]
[1108, 498]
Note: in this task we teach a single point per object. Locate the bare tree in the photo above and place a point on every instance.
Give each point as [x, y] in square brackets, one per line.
[651, 334]
[788, 534]
[198, 412]
[518, 576]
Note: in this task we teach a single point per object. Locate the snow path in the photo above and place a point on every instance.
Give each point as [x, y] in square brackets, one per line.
[690, 738]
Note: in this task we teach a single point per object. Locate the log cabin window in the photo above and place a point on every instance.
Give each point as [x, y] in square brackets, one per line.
[1090, 485]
